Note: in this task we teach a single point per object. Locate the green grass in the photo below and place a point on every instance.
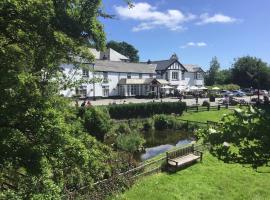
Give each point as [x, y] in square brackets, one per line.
[209, 180]
[206, 115]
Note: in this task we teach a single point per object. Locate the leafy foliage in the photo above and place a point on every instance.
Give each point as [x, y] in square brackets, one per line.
[251, 72]
[126, 111]
[226, 87]
[130, 142]
[97, 122]
[44, 151]
[243, 137]
[211, 77]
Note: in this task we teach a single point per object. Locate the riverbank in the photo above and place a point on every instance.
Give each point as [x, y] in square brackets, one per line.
[211, 179]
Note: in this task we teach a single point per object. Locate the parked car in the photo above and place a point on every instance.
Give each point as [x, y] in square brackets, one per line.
[261, 92]
[226, 93]
[248, 91]
[238, 93]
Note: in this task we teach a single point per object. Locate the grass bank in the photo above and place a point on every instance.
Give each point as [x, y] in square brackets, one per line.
[212, 179]
[205, 115]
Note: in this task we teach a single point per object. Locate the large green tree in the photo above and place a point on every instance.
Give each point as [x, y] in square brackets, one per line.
[44, 151]
[125, 49]
[211, 77]
[251, 72]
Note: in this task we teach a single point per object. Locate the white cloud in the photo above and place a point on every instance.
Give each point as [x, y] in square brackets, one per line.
[217, 18]
[201, 44]
[194, 44]
[151, 18]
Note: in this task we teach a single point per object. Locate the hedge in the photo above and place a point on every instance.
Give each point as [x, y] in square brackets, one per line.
[143, 110]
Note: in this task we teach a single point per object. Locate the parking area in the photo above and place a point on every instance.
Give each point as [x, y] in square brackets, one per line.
[171, 99]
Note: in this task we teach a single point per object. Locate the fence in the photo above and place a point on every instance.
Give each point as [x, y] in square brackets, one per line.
[154, 166]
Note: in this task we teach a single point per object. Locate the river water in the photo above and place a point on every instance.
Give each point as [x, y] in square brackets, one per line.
[158, 142]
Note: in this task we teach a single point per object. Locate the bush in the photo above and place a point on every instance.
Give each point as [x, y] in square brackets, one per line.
[123, 128]
[130, 142]
[97, 122]
[162, 122]
[148, 125]
[143, 110]
[226, 87]
[206, 103]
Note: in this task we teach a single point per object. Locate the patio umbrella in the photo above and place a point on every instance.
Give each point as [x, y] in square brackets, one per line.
[166, 87]
[181, 88]
[203, 88]
[193, 88]
[215, 88]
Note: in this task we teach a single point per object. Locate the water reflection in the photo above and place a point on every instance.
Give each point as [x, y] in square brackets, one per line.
[158, 142]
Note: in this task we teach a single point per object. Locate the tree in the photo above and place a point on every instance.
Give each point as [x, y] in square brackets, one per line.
[223, 77]
[125, 49]
[97, 122]
[44, 151]
[243, 137]
[251, 72]
[212, 74]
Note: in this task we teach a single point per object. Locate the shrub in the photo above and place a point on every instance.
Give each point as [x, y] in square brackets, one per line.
[97, 122]
[162, 122]
[206, 103]
[123, 128]
[143, 110]
[130, 142]
[148, 125]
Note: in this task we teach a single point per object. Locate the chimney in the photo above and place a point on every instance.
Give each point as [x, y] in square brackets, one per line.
[174, 57]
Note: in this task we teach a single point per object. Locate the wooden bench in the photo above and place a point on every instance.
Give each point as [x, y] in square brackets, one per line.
[182, 157]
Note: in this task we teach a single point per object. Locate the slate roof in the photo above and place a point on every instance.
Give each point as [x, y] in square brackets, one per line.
[119, 66]
[137, 81]
[163, 64]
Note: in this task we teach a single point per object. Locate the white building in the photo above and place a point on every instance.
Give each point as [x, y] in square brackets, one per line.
[117, 77]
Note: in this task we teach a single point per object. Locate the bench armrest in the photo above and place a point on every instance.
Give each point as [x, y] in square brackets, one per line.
[168, 159]
[199, 153]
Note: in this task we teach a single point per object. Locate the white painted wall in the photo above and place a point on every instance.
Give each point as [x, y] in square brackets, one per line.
[113, 78]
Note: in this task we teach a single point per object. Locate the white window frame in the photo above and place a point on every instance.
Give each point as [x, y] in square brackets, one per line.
[85, 73]
[175, 76]
[105, 77]
[82, 91]
[105, 91]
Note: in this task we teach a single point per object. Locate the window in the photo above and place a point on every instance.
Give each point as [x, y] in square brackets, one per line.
[167, 76]
[183, 76]
[140, 76]
[133, 90]
[105, 91]
[129, 75]
[105, 77]
[85, 73]
[175, 75]
[82, 91]
[197, 76]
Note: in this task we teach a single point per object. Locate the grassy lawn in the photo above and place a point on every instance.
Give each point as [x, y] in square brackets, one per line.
[211, 179]
[206, 115]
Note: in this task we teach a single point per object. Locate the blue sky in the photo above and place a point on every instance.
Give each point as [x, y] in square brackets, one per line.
[196, 30]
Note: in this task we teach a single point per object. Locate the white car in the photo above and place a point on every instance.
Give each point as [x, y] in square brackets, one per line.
[264, 92]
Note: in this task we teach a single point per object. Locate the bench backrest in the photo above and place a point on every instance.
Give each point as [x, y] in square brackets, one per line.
[180, 152]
